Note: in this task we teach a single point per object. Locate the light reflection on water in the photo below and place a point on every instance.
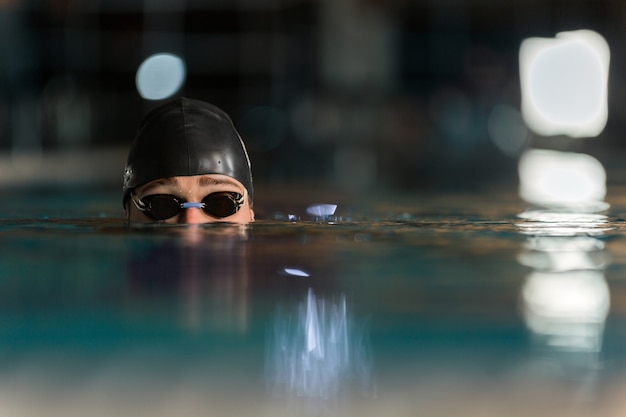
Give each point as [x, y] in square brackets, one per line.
[567, 309]
[562, 223]
[565, 299]
[317, 353]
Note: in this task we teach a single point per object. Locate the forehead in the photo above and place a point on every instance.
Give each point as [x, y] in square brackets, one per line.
[200, 181]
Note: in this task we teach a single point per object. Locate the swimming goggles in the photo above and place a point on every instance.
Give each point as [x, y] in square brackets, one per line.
[164, 206]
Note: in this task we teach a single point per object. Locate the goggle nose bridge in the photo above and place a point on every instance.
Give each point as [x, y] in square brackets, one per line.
[192, 205]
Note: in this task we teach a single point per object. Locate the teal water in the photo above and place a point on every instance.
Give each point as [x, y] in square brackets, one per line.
[440, 304]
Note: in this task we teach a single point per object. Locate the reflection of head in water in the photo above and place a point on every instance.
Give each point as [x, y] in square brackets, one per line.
[215, 273]
[203, 270]
[188, 164]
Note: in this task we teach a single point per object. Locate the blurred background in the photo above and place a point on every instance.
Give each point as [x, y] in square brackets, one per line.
[397, 94]
[458, 300]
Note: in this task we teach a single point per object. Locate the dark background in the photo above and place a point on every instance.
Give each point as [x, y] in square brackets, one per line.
[355, 93]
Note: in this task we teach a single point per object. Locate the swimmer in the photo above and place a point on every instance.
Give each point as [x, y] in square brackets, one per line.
[188, 165]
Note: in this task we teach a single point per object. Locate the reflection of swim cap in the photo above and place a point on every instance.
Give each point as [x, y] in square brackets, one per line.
[182, 138]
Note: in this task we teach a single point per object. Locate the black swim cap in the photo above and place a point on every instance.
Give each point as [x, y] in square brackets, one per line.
[186, 137]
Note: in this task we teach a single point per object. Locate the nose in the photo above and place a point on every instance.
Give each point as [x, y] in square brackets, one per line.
[193, 215]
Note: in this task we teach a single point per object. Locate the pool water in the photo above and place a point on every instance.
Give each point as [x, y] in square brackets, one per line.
[430, 304]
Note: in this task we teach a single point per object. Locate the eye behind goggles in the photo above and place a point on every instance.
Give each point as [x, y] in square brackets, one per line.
[218, 205]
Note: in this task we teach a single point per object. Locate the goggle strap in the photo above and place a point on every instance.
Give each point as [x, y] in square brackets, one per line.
[138, 203]
[242, 199]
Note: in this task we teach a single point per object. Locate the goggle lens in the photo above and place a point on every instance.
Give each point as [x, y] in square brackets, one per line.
[221, 205]
[161, 206]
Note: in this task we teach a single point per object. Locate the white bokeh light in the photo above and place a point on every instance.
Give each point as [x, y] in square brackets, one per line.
[568, 309]
[296, 272]
[564, 83]
[576, 295]
[561, 179]
[321, 210]
[160, 76]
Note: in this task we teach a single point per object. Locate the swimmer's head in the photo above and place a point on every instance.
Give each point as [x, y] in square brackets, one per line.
[186, 137]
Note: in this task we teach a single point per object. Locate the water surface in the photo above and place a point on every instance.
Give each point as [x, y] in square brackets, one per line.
[398, 304]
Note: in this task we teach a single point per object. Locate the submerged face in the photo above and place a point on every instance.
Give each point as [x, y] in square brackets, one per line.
[224, 192]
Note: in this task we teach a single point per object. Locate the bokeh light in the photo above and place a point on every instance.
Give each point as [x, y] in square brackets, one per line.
[569, 309]
[562, 179]
[507, 130]
[321, 210]
[296, 272]
[160, 76]
[564, 83]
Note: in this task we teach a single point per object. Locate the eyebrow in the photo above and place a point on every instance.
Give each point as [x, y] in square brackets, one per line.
[161, 181]
[205, 181]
